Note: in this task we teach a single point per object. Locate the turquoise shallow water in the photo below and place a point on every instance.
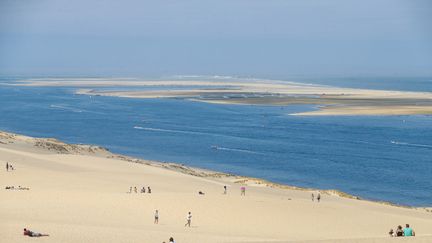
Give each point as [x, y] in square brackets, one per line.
[375, 157]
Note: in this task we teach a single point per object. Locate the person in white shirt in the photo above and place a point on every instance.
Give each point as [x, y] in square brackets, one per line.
[188, 219]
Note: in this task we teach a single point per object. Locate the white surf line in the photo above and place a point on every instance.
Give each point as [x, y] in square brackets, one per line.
[411, 144]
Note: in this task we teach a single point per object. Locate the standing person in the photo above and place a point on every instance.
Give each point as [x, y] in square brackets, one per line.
[313, 196]
[7, 166]
[408, 231]
[149, 189]
[171, 240]
[318, 197]
[243, 191]
[188, 219]
[135, 189]
[130, 190]
[225, 190]
[156, 217]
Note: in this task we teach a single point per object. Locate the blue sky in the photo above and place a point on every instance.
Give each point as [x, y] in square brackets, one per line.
[261, 38]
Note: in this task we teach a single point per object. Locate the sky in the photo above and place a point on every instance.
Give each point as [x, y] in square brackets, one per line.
[254, 38]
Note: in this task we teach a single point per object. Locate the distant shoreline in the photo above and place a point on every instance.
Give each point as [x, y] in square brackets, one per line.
[331, 101]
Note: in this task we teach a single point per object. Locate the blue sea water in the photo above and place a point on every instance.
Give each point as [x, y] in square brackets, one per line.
[376, 157]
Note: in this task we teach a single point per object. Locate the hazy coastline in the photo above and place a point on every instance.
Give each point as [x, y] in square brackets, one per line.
[329, 100]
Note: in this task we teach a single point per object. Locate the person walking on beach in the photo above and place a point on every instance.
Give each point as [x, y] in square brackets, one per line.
[225, 190]
[408, 231]
[318, 197]
[130, 190]
[7, 166]
[313, 197]
[156, 217]
[135, 189]
[188, 219]
[243, 191]
[148, 189]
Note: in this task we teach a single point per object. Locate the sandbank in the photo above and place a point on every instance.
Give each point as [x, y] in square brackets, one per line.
[328, 100]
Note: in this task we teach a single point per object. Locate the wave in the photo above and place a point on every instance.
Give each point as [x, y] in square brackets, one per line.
[235, 150]
[167, 130]
[66, 108]
[411, 144]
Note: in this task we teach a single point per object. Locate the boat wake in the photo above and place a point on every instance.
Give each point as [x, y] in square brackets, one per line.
[166, 130]
[66, 108]
[235, 150]
[411, 144]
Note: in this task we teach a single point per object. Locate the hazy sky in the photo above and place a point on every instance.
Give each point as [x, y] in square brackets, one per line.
[262, 38]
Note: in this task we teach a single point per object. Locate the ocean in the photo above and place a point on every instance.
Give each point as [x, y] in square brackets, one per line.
[385, 158]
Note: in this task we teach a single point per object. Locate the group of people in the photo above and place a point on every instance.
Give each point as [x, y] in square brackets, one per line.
[318, 197]
[9, 166]
[242, 191]
[188, 218]
[143, 189]
[407, 231]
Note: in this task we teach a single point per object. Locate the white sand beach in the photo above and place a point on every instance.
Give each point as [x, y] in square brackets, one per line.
[328, 100]
[80, 193]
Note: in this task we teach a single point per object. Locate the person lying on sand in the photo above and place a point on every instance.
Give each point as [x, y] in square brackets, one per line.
[16, 188]
[33, 234]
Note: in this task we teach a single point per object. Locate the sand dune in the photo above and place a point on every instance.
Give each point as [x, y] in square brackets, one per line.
[80, 194]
